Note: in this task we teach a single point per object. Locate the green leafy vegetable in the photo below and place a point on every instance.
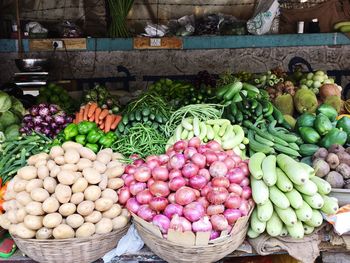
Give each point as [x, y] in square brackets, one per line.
[5, 101]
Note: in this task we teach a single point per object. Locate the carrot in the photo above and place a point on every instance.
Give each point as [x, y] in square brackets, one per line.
[97, 114]
[80, 115]
[76, 117]
[86, 111]
[102, 126]
[116, 121]
[108, 123]
[92, 118]
[103, 114]
[92, 109]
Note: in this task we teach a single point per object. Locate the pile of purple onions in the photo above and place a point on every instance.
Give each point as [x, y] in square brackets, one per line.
[193, 187]
[46, 119]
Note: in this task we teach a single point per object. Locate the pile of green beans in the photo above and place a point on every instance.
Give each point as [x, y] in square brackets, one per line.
[119, 10]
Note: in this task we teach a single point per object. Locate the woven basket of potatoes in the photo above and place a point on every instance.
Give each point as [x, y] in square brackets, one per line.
[65, 199]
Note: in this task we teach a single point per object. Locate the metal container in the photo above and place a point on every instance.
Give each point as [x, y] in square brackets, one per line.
[343, 195]
[33, 64]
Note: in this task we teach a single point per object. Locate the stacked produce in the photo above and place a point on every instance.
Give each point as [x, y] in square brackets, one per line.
[314, 81]
[103, 98]
[280, 89]
[194, 187]
[268, 79]
[289, 197]
[70, 192]
[343, 26]
[46, 119]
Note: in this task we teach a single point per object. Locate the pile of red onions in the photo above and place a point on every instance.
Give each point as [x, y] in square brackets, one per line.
[193, 187]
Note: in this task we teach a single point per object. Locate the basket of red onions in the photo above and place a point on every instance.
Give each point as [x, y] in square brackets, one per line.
[194, 199]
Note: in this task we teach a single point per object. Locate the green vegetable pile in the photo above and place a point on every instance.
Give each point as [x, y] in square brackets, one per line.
[314, 81]
[103, 98]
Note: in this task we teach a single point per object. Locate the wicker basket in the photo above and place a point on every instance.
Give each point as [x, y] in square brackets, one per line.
[77, 250]
[173, 252]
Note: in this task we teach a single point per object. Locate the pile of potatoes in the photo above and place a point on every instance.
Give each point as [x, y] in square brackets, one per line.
[70, 192]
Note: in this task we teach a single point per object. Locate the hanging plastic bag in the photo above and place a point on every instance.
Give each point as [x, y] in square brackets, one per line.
[263, 17]
[130, 243]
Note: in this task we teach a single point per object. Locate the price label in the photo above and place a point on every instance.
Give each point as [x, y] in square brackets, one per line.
[155, 42]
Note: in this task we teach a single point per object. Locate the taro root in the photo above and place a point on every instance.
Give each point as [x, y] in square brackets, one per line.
[335, 179]
[333, 160]
[344, 170]
[321, 167]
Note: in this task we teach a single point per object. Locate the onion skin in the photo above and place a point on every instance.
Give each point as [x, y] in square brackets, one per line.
[219, 222]
[215, 209]
[132, 205]
[194, 142]
[233, 201]
[137, 187]
[198, 182]
[204, 172]
[199, 160]
[153, 163]
[129, 179]
[189, 170]
[203, 201]
[232, 215]
[245, 182]
[176, 183]
[123, 195]
[214, 145]
[214, 234]
[162, 222]
[185, 195]
[158, 203]
[236, 189]
[144, 197]
[210, 157]
[160, 173]
[177, 161]
[171, 198]
[180, 223]
[160, 188]
[193, 211]
[235, 175]
[189, 152]
[220, 182]
[146, 213]
[142, 174]
[217, 195]
[180, 145]
[218, 169]
[173, 209]
[202, 225]
[247, 192]
[205, 190]
[174, 173]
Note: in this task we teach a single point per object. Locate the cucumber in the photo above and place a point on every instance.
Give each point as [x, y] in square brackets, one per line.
[216, 129]
[203, 130]
[284, 136]
[196, 129]
[295, 199]
[308, 188]
[262, 140]
[252, 234]
[330, 206]
[210, 132]
[178, 133]
[277, 114]
[229, 133]
[316, 219]
[223, 129]
[159, 119]
[323, 186]
[187, 124]
[308, 229]
[260, 191]
[131, 116]
[283, 183]
[286, 149]
[233, 89]
[256, 146]
[304, 213]
[308, 168]
[278, 198]
[288, 216]
[269, 170]
[121, 127]
[284, 231]
[264, 211]
[297, 230]
[308, 149]
[296, 173]
[274, 225]
[190, 135]
[218, 122]
[152, 116]
[255, 165]
[184, 134]
[239, 135]
[257, 225]
[125, 119]
[138, 116]
[316, 201]
[146, 112]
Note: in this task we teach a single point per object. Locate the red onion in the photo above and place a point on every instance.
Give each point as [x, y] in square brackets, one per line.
[244, 168]
[220, 181]
[174, 173]
[151, 157]
[232, 215]
[215, 209]
[173, 209]
[233, 201]
[205, 190]
[251, 202]
[158, 203]
[137, 187]
[138, 162]
[144, 197]
[150, 182]
[130, 169]
[171, 153]
[197, 193]
[247, 192]
[204, 172]
[152, 164]
[146, 213]
[142, 174]
[202, 225]
[180, 223]
[180, 145]
[218, 169]
[230, 153]
[171, 198]
[217, 195]
[221, 156]
[236, 189]
[129, 179]
[160, 173]
[203, 201]
[162, 222]
[123, 195]
[189, 170]
[163, 159]
[194, 211]
[185, 195]
[244, 207]
[235, 175]
[198, 182]
[194, 142]
[210, 157]
[134, 157]
[177, 161]
[189, 152]
[202, 148]
[132, 205]
[230, 164]
[171, 148]
[176, 183]
[160, 188]
[199, 160]
[237, 159]
[245, 182]
[214, 145]
[219, 222]
[214, 234]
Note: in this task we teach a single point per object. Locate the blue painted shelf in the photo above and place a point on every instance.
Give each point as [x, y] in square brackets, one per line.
[207, 42]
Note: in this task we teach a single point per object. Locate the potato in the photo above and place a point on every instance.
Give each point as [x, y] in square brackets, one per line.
[43, 233]
[51, 205]
[52, 220]
[39, 194]
[77, 175]
[85, 208]
[50, 184]
[103, 204]
[34, 208]
[33, 222]
[114, 163]
[117, 156]
[115, 171]
[85, 230]
[92, 175]
[113, 212]
[94, 217]
[32, 160]
[10, 205]
[4, 221]
[40, 163]
[71, 145]
[66, 177]
[75, 220]
[115, 183]
[9, 195]
[111, 194]
[63, 231]
[55, 170]
[70, 167]
[27, 172]
[104, 226]
[43, 172]
[92, 193]
[34, 183]
[126, 213]
[80, 185]
[71, 156]
[20, 214]
[77, 198]
[23, 198]
[120, 222]
[50, 164]
[67, 209]
[84, 163]
[87, 153]
[12, 230]
[63, 193]
[23, 232]
[20, 186]
[59, 160]
[100, 167]
[56, 151]
[12, 216]
[104, 182]
[104, 157]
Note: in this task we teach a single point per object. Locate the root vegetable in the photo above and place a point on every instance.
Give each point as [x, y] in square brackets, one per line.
[92, 193]
[85, 208]
[103, 157]
[104, 182]
[56, 151]
[50, 184]
[33, 222]
[115, 183]
[11, 215]
[20, 215]
[344, 158]
[111, 194]
[120, 222]
[333, 160]
[39, 194]
[40, 163]
[67, 209]
[80, 185]
[104, 226]
[85, 230]
[70, 167]
[113, 212]
[63, 231]
[32, 160]
[92, 175]
[335, 179]
[344, 170]
[336, 148]
[321, 167]
[43, 172]
[77, 198]
[34, 183]
[20, 186]
[52, 220]
[84, 163]
[59, 160]
[115, 171]
[4, 221]
[66, 177]
[87, 153]
[50, 164]
[94, 217]
[27, 172]
[63, 193]
[100, 167]
[71, 156]
[23, 198]
[54, 171]
[51, 205]
[70, 144]
[321, 153]
[23, 232]
[103, 204]
[75, 220]
[34, 208]
[43, 233]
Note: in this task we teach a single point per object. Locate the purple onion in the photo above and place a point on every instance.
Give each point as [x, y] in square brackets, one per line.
[53, 108]
[48, 118]
[69, 119]
[57, 131]
[59, 119]
[37, 129]
[30, 125]
[34, 111]
[37, 120]
[44, 123]
[54, 125]
[27, 118]
[44, 111]
[46, 131]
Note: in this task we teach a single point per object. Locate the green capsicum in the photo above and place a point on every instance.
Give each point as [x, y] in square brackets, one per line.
[85, 127]
[92, 146]
[94, 135]
[81, 139]
[111, 135]
[106, 141]
[344, 124]
[309, 135]
[70, 131]
[327, 110]
[322, 124]
[335, 136]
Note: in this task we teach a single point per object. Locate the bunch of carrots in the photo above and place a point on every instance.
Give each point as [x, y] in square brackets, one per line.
[102, 117]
